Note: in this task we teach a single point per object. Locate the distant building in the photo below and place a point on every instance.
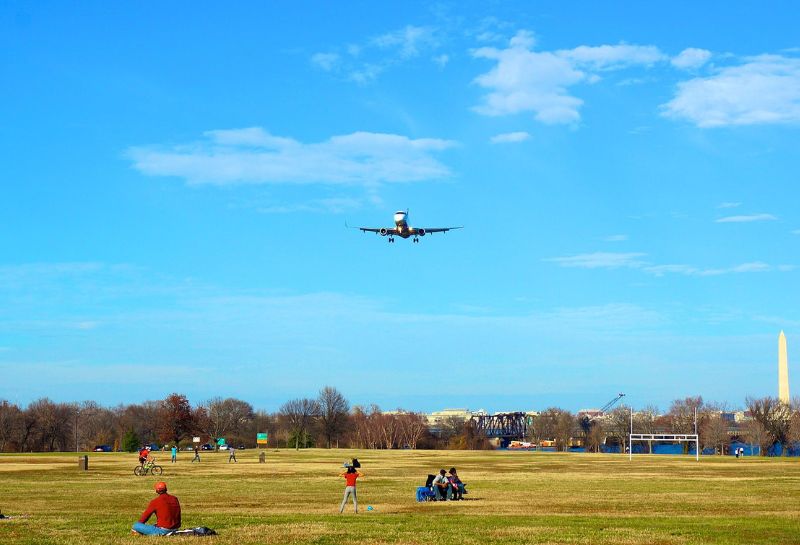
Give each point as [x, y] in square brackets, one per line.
[435, 419]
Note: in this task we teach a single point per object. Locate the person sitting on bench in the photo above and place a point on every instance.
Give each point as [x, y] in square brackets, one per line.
[459, 488]
[442, 486]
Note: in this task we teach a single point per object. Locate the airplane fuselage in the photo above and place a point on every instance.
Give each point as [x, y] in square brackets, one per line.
[400, 223]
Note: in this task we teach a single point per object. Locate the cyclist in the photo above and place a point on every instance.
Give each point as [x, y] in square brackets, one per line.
[143, 454]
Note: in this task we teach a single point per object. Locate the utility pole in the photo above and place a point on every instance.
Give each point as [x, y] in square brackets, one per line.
[77, 414]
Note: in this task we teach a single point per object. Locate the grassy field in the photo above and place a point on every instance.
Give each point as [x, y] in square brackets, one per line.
[514, 497]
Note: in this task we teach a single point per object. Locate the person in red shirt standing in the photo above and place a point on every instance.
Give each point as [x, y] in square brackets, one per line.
[350, 477]
[167, 510]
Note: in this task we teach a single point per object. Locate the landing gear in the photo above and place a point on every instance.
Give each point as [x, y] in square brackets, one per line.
[391, 239]
[416, 239]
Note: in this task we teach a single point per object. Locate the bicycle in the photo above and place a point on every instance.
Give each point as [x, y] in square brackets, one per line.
[149, 466]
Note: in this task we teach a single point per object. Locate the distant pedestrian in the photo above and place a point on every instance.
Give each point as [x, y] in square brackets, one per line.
[350, 477]
[174, 452]
[196, 454]
[231, 454]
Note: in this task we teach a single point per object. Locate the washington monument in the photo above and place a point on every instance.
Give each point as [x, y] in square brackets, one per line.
[783, 369]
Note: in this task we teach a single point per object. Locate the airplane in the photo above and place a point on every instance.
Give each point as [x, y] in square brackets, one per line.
[403, 230]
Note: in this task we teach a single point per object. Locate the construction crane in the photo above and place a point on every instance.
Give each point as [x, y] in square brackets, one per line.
[610, 404]
[586, 420]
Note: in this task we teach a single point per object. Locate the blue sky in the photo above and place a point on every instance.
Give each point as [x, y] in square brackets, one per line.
[176, 182]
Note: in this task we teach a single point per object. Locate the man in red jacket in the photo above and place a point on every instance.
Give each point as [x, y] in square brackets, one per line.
[167, 510]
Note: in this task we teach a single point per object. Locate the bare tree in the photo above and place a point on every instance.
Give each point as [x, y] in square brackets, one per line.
[542, 427]
[139, 418]
[223, 417]
[793, 433]
[10, 425]
[595, 436]
[756, 434]
[644, 421]
[566, 427]
[334, 410]
[388, 426]
[773, 415]
[682, 414]
[299, 416]
[450, 427]
[714, 433]
[555, 424]
[412, 427]
[54, 425]
[618, 425]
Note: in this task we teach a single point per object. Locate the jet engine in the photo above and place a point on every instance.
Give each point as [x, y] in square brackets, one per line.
[421, 232]
[383, 231]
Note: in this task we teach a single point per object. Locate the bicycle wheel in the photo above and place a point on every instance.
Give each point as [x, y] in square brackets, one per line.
[156, 470]
[138, 471]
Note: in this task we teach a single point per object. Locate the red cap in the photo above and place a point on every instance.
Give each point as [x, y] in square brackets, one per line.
[161, 487]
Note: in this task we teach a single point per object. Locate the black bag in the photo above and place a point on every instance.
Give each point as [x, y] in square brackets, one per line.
[198, 531]
[429, 481]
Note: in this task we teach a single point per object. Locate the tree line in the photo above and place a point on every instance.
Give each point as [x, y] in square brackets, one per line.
[325, 421]
[329, 421]
[767, 422]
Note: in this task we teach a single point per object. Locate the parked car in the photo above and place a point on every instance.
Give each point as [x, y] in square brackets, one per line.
[207, 447]
[102, 448]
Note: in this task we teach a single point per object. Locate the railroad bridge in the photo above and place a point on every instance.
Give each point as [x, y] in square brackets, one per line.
[505, 426]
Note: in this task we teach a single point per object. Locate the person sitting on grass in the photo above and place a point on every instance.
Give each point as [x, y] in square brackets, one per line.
[168, 514]
[442, 486]
[457, 485]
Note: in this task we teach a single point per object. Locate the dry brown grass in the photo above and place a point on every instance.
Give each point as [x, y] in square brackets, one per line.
[515, 497]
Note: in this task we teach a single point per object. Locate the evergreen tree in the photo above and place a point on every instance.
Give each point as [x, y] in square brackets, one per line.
[130, 441]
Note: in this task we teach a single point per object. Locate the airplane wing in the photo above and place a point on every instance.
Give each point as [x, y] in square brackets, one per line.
[427, 230]
[380, 230]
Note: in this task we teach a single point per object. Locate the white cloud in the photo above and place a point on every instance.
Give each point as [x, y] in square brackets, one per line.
[527, 81]
[763, 90]
[796, 232]
[601, 260]
[254, 156]
[729, 205]
[613, 57]
[524, 80]
[633, 260]
[407, 41]
[688, 270]
[509, 137]
[746, 218]
[364, 62]
[334, 205]
[326, 61]
[441, 60]
[691, 58]
[615, 238]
